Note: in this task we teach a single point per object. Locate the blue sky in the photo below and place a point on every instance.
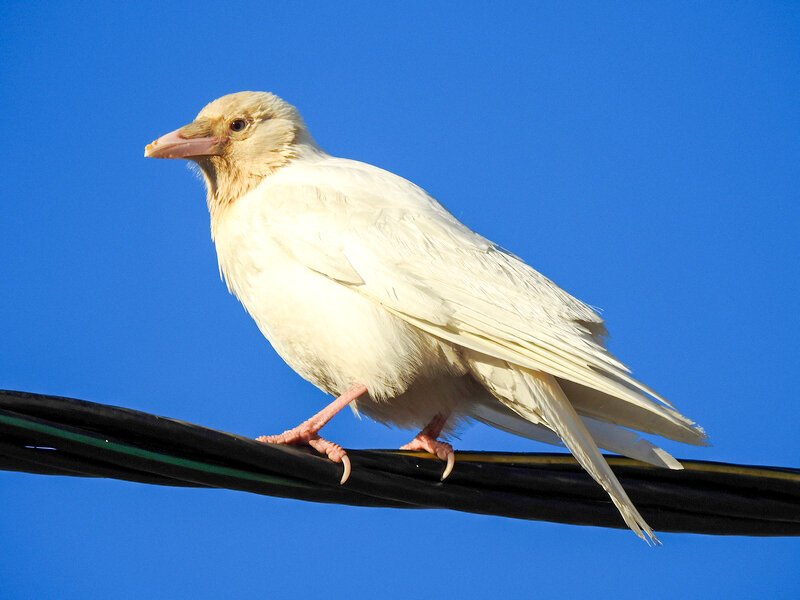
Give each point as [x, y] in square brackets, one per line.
[644, 156]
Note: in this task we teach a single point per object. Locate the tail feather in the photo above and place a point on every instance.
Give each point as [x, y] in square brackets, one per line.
[538, 398]
[505, 419]
[551, 403]
[608, 437]
[593, 403]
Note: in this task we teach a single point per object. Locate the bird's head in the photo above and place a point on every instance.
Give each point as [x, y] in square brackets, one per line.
[236, 140]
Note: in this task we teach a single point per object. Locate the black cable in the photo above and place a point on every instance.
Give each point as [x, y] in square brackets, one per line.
[63, 436]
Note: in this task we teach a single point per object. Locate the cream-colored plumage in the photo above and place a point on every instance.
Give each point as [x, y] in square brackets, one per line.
[357, 276]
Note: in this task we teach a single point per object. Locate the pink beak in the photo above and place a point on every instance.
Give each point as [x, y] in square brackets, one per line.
[174, 145]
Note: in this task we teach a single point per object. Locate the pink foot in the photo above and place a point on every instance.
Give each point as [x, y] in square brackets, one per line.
[307, 433]
[302, 436]
[427, 442]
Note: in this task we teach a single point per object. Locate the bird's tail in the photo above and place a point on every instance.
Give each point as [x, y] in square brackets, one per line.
[558, 413]
[538, 398]
[607, 436]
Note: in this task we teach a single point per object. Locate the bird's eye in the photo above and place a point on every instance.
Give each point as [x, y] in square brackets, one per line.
[237, 124]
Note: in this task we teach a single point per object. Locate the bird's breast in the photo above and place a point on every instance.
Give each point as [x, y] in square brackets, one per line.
[326, 331]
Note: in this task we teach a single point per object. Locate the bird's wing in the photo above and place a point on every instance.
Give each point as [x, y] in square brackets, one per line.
[388, 240]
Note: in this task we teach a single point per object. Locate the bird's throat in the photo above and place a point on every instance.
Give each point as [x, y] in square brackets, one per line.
[224, 185]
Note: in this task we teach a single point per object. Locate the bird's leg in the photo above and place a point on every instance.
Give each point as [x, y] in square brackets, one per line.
[307, 431]
[427, 440]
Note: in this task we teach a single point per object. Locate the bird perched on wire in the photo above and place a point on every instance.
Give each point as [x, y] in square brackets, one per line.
[372, 291]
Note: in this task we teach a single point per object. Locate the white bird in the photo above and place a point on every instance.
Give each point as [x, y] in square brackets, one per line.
[372, 291]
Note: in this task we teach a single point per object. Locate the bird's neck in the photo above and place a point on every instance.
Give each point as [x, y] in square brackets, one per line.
[226, 181]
